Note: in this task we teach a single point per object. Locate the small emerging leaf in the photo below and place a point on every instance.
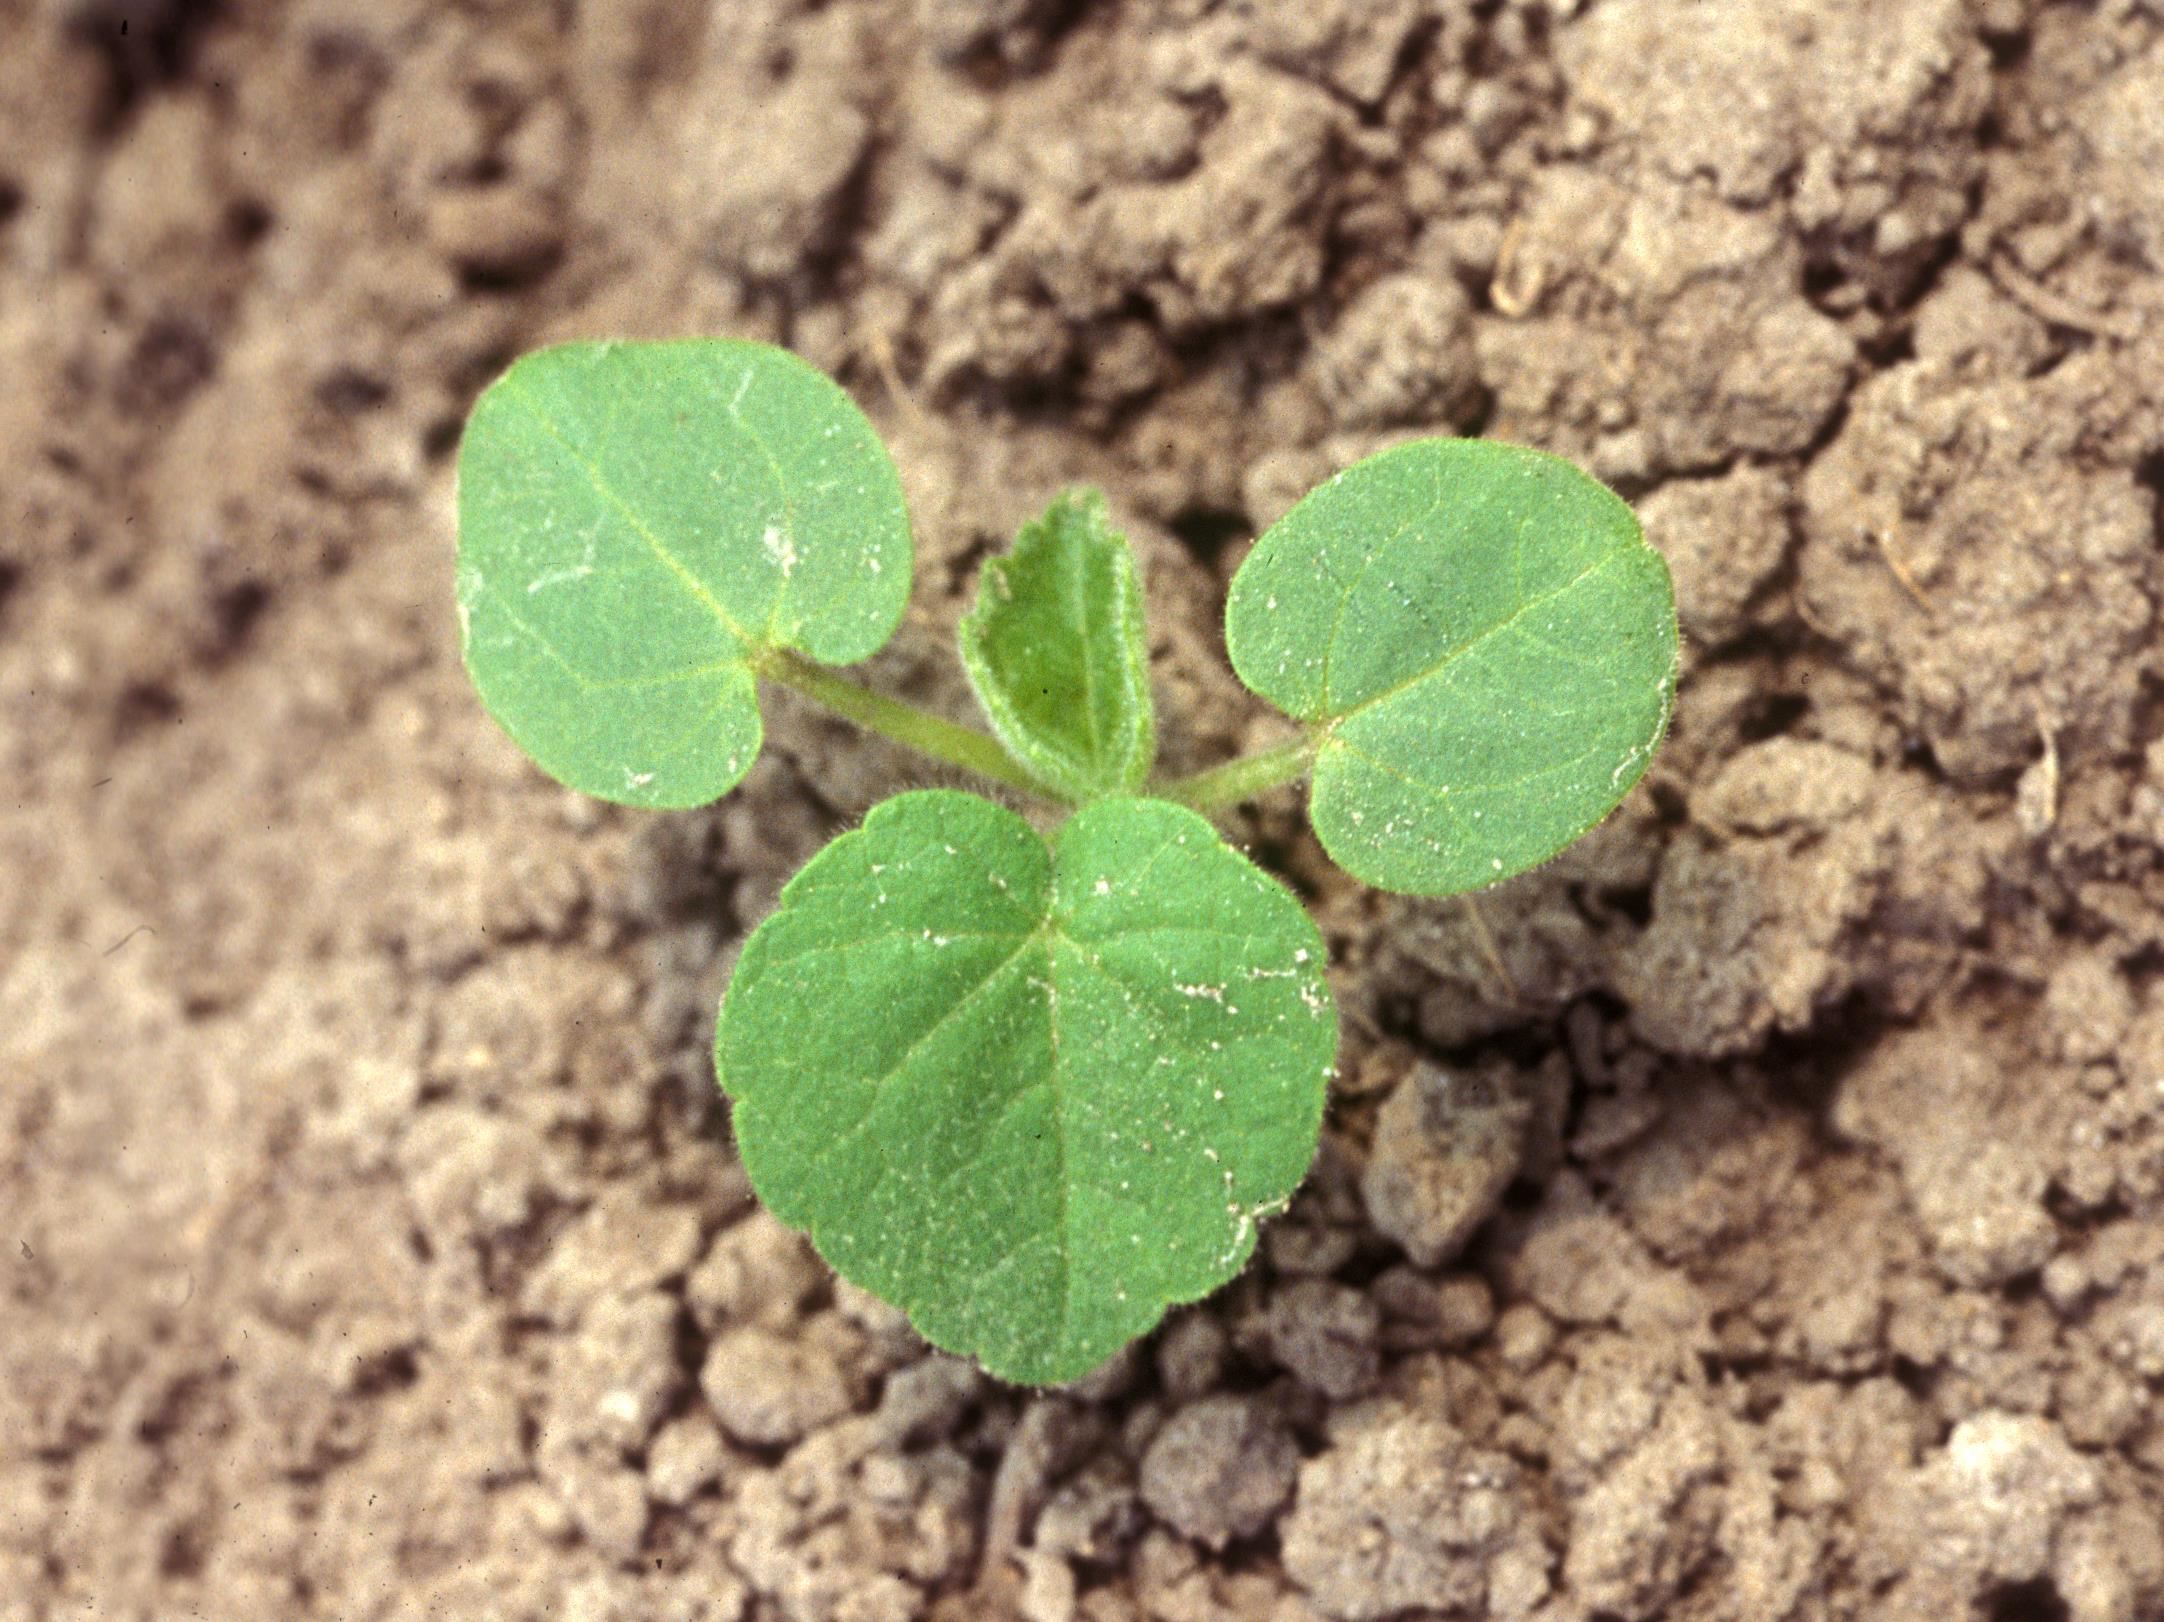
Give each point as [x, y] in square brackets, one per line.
[1029, 1094]
[1055, 650]
[637, 523]
[1482, 645]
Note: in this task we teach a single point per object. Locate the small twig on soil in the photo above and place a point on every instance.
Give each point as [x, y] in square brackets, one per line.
[1812, 623]
[1705, 821]
[881, 344]
[139, 929]
[1018, 1483]
[1484, 937]
[2060, 311]
[2036, 797]
[1503, 291]
[1901, 573]
[1362, 1018]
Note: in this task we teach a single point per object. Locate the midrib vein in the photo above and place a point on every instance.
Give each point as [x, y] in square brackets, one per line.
[1508, 622]
[608, 493]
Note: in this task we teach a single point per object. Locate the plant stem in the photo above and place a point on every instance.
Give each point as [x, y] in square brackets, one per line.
[902, 723]
[1223, 786]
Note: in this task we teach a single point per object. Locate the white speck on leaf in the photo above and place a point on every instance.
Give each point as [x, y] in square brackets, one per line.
[558, 577]
[781, 549]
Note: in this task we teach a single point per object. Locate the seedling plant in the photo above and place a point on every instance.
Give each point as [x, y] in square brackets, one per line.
[1034, 1078]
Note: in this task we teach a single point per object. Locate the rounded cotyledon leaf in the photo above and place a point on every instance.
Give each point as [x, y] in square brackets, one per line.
[1029, 1092]
[637, 524]
[1482, 645]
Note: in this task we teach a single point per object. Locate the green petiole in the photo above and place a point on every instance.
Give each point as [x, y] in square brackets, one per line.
[1218, 789]
[901, 723]
[1222, 787]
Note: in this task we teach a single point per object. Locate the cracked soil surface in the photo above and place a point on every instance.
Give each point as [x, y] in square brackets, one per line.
[1756, 1214]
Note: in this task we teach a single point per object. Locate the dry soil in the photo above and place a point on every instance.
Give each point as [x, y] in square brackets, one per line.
[1758, 1214]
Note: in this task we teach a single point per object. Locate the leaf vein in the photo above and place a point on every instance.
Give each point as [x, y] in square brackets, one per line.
[609, 494]
[1367, 566]
[1507, 623]
[875, 1083]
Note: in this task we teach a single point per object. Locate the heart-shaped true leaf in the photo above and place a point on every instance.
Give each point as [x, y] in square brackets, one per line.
[637, 524]
[1482, 645]
[1055, 650]
[1031, 1094]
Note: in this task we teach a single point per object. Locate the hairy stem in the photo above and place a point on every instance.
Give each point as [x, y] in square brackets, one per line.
[901, 723]
[1224, 786]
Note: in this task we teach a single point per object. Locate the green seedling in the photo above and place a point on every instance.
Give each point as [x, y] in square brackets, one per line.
[1035, 1078]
